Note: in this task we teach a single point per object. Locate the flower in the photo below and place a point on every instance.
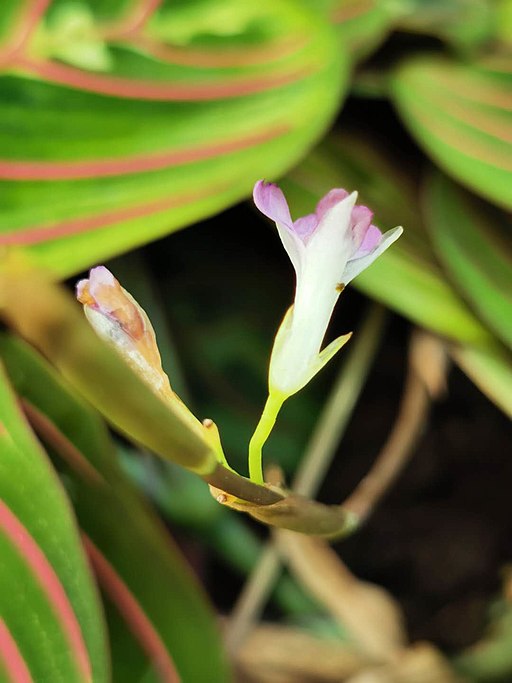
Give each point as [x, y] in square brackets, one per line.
[119, 320]
[328, 249]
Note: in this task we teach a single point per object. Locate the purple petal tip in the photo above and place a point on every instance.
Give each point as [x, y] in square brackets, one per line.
[371, 239]
[270, 200]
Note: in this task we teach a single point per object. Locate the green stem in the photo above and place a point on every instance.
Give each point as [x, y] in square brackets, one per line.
[261, 434]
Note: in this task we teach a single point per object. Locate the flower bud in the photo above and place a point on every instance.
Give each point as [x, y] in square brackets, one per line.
[120, 321]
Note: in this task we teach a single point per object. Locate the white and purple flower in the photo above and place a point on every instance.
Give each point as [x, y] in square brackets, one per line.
[328, 249]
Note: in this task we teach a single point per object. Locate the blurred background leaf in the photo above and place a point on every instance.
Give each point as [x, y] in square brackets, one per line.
[473, 241]
[461, 115]
[466, 25]
[490, 368]
[362, 25]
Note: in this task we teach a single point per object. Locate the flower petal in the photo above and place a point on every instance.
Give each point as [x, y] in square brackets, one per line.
[358, 264]
[326, 354]
[361, 221]
[371, 240]
[330, 246]
[332, 198]
[100, 277]
[305, 226]
[294, 247]
[89, 291]
[270, 200]
[282, 370]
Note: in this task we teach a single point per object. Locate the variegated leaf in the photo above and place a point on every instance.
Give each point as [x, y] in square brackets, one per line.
[123, 121]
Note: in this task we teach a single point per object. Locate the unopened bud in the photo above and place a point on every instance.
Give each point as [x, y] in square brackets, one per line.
[119, 320]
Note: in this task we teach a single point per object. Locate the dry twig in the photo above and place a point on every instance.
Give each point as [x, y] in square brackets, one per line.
[425, 382]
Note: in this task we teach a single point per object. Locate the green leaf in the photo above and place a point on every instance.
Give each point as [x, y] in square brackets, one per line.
[407, 277]
[48, 603]
[490, 368]
[115, 131]
[156, 608]
[465, 24]
[461, 114]
[8, 18]
[473, 241]
[503, 27]
[36, 382]
[362, 24]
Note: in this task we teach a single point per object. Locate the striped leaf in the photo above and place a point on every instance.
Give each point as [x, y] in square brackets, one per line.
[362, 24]
[473, 241]
[51, 626]
[160, 623]
[123, 121]
[461, 114]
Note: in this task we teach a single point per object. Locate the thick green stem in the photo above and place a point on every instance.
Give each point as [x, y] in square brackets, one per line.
[261, 434]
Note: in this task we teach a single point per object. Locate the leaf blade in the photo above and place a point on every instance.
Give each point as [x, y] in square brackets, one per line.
[152, 143]
[43, 556]
[477, 257]
[460, 113]
[162, 605]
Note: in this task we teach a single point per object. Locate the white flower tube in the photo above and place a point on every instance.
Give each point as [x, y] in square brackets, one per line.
[328, 249]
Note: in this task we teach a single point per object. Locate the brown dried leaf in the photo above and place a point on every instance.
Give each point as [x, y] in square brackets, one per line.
[428, 358]
[421, 663]
[369, 613]
[279, 654]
